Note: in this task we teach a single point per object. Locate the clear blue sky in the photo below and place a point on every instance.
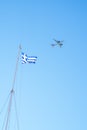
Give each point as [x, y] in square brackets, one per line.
[51, 94]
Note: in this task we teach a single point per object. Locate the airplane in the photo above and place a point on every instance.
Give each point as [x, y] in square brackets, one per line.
[60, 43]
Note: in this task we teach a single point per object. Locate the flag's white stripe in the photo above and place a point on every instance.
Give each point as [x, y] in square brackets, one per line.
[31, 58]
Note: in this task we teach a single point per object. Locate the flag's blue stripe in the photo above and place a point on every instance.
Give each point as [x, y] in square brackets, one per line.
[32, 56]
[31, 62]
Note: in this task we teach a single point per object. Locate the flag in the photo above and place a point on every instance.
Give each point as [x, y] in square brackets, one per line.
[29, 59]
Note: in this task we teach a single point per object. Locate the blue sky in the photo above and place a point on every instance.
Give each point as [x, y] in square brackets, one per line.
[51, 94]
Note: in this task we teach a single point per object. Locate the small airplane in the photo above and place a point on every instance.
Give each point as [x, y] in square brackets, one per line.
[60, 43]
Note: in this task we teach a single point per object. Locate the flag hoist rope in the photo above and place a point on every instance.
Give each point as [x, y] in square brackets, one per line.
[12, 91]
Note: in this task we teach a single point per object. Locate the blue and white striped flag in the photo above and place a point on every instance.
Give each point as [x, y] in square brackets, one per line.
[29, 59]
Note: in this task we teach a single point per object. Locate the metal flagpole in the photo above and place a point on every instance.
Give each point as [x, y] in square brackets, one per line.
[12, 90]
[16, 67]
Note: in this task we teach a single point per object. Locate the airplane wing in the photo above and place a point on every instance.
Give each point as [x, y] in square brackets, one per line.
[53, 45]
[55, 40]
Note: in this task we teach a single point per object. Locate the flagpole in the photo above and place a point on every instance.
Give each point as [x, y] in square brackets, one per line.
[16, 67]
[12, 90]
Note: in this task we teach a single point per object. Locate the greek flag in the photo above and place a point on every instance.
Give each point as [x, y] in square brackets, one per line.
[28, 59]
